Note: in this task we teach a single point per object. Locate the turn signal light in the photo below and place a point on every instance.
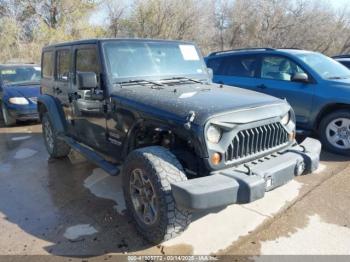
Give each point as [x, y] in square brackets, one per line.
[291, 136]
[216, 158]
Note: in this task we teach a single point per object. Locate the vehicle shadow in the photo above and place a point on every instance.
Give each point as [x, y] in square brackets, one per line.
[49, 199]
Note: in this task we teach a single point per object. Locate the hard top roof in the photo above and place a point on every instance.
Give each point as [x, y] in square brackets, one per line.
[97, 40]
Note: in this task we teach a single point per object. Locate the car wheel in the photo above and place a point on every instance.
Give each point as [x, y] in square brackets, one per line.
[147, 177]
[8, 120]
[334, 132]
[55, 146]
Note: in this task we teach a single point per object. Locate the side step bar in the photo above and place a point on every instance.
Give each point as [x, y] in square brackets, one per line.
[92, 156]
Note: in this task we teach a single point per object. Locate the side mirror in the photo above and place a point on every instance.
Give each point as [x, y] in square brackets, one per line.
[86, 80]
[300, 77]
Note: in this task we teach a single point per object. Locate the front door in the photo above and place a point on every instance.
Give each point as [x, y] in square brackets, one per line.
[276, 74]
[89, 117]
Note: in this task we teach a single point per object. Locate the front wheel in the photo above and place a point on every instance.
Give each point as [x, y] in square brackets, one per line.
[55, 146]
[334, 132]
[147, 177]
[8, 120]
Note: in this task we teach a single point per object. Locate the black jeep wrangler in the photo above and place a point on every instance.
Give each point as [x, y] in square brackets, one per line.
[184, 143]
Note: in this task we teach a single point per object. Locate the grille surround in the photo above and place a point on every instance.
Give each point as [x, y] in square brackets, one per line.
[256, 141]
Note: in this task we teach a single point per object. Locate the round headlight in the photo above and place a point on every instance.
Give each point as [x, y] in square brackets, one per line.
[285, 120]
[18, 101]
[214, 134]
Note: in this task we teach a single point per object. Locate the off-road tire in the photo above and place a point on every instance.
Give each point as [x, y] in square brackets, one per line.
[57, 148]
[323, 129]
[8, 120]
[162, 168]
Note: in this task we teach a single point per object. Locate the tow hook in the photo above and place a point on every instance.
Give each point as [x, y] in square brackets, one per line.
[190, 118]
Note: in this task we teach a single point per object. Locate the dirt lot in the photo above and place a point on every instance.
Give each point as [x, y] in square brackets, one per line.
[70, 207]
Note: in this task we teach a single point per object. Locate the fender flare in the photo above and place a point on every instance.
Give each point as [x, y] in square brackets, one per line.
[140, 122]
[53, 107]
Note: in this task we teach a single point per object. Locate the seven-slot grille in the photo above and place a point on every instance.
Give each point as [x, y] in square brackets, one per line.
[256, 140]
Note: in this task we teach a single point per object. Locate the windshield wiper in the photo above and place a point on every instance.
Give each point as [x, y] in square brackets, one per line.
[182, 79]
[338, 77]
[139, 82]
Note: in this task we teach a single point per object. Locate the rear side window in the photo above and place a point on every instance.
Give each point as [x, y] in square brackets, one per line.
[243, 66]
[63, 58]
[47, 64]
[215, 65]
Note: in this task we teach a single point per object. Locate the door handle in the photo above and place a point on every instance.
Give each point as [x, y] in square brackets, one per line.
[262, 86]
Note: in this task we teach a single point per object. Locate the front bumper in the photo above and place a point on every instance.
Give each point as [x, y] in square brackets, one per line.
[24, 113]
[248, 182]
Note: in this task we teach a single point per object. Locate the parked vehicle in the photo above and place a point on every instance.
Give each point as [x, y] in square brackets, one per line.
[19, 89]
[316, 86]
[343, 59]
[185, 144]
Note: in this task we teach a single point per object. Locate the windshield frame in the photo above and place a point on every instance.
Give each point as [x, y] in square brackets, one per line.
[14, 67]
[326, 58]
[200, 76]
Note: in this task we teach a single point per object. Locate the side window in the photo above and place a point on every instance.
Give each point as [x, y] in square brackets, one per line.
[243, 66]
[215, 65]
[47, 64]
[87, 61]
[63, 58]
[279, 68]
[347, 64]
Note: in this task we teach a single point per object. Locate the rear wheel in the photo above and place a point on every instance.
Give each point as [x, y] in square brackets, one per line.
[147, 177]
[8, 120]
[55, 146]
[335, 132]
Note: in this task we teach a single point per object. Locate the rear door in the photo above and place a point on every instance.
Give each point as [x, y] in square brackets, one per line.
[61, 87]
[47, 72]
[235, 70]
[276, 79]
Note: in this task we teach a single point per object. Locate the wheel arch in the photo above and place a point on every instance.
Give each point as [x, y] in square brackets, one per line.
[327, 109]
[179, 134]
[50, 105]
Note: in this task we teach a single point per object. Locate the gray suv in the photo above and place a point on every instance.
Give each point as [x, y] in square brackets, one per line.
[185, 143]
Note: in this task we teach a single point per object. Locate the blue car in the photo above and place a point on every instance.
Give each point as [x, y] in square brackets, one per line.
[317, 87]
[343, 59]
[19, 89]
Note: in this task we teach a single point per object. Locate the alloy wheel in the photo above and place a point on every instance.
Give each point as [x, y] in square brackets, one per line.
[143, 197]
[338, 133]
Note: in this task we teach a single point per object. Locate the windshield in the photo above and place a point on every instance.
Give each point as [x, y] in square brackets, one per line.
[20, 74]
[138, 60]
[325, 66]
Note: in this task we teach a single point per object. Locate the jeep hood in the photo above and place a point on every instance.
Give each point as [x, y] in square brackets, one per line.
[206, 101]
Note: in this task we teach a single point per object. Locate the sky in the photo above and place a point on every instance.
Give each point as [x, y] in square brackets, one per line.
[100, 16]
